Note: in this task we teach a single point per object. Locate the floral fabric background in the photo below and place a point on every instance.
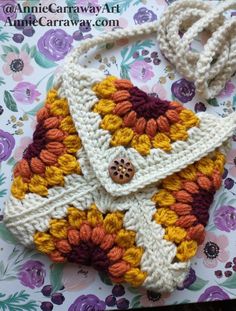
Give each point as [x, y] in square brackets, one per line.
[28, 59]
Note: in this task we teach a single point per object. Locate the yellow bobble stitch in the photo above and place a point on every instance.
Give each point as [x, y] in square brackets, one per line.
[104, 106]
[68, 164]
[175, 234]
[122, 137]
[142, 144]
[19, 188]
[94, 216]
[162, 141]
[163, 198]
[186, 250]
[135, 277]
[172, 183]
[165, 216]
[44, 242]
[51, 96]
[133, 256]
[72, 143]
[188, 118]
[219, 162]
[189, 173]
[105, 88]
[205, 166]
[38, 185]
[54, 176]
[113, 222]
[75, 217]
[178, 132]
[58, 228]
[60, 107]
[111, 123]
[67, 125]
[125, 238]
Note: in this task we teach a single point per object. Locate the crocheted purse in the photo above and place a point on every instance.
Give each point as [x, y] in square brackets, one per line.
[116, 178]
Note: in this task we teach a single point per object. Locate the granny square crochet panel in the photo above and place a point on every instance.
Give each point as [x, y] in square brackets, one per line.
[117, 178]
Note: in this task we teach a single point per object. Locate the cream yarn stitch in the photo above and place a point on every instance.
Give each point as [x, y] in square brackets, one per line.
[211, 68]
[33, 213]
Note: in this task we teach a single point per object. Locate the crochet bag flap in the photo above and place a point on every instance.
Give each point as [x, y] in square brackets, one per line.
[116, 178]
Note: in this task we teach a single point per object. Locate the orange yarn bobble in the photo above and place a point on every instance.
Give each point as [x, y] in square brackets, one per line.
[114, 246]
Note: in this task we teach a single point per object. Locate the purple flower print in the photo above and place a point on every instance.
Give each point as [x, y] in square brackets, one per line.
[190, 279]
[32, 274]
[183, 90]
[55, 44]
[7, 10]
[213, 293]
[88, 302]
[25, 92]
[225, 218]
[144, 15]
[87, 3]
[7, 143]
[141, 71]
[228, 90]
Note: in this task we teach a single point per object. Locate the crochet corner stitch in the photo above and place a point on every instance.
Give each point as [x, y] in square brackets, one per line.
[90, 237]
[51, 155]
[138, 120]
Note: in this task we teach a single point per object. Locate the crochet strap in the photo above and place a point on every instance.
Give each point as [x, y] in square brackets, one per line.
[211, 68]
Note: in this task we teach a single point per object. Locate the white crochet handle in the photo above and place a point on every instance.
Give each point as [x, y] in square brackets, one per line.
[209, 69]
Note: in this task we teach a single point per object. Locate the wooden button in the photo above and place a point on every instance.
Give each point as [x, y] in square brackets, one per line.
[121, 170]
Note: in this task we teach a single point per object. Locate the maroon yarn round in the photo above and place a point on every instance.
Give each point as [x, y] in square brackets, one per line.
[34, 149]
[39, 132]
[86, 253]
[147, 106]
[201, 204]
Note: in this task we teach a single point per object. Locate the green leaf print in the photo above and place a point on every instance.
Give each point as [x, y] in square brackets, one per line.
[124, 74]
[3, 35]
[230, 282]
[213, 102]
[2, 81]
[42, 61]
[104, 278]
[72, 15]
[10, 102]
[49, 83]
[6, 236]
[10, 48]
[35, 109]
[198, 284]
[17, 302]
[135, 302]
[56, 272]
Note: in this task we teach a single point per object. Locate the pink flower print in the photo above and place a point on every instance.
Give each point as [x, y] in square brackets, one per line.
[24, 143]
[213, 250]
[50, 15]
[228, 90]
[76, 277]
[156, 90]
[231, 160]
[17, 65]
[87, 3]
[141, 71]
[152, 299]
[26, 92]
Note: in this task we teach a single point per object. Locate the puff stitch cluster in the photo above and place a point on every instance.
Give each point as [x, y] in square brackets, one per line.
[51, 155]
[138, 120]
